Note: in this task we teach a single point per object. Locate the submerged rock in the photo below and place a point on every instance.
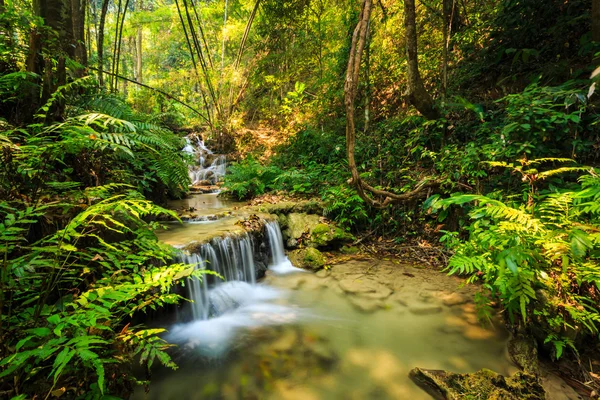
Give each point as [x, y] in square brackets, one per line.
[366, 305]
[484, 384]
[425, 309]
[307, 258]
[365, 288]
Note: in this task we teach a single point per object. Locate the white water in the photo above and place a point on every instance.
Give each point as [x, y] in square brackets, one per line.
[280, 264]
[220, 308]
[202, 173]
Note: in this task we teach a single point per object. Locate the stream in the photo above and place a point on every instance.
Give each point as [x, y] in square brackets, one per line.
[351, 331]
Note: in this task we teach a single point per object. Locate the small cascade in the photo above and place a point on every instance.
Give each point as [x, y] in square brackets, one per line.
[209, 168]
[232, 258]
[221, 308]
[280, 264]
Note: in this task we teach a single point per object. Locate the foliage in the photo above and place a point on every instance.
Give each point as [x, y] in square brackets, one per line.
[249, 178]
[80, 261]
[540, 261]
[68, 293]
[345, 206]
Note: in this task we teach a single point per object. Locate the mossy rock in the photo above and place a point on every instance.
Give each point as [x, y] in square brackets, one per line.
[523, 352]
[299, 226]
[287, 207]
[483, 384]
[324, 235]
[307, 258]
[349, 250]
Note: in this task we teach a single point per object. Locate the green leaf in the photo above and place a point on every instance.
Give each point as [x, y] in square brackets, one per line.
[61, 361]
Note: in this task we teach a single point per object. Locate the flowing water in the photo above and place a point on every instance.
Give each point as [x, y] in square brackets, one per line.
[298, 335]
[209, 167]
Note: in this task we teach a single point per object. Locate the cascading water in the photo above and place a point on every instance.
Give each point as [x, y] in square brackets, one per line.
[280, 264]
[209, 168]
[236, 301]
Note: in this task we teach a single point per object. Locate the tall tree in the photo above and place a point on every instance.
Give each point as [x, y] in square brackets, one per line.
[100, 44]
[51, 45]
[78, 8]
[596, 20]
[417, 94]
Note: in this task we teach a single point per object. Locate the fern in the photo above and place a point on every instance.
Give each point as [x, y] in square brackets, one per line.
[514, 248]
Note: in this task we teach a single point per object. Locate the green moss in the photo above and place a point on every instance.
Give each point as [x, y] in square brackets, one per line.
[349, 250]
[484, 384]
[314, 259]
[308, 258]
[321, 229]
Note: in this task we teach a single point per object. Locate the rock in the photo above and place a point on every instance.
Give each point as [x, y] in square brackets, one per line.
[557, 389]
[324, 273]
[365, 288]
[454, 299]
[324, 235]
[308, 258]
[299, 225]
[523, 352]
[484, 384]
[349, 250]
[286, 342]
[287, 207]
[260, 268]
[425, 309]
[365, 305]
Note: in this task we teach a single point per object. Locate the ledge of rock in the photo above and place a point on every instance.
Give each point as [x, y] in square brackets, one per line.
[484, 384]
[288, 207]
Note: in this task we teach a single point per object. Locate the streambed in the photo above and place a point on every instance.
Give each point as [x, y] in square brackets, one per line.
[352, 331]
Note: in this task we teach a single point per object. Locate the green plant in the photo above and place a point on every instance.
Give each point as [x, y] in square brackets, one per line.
[345, 206]
[540, 261]
[249, 178]
[69, 293]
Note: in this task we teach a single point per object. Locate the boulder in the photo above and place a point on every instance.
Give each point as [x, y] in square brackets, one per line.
[299, 226]
[523, 352]
[308, 258]
[484, 384]
[324, 235]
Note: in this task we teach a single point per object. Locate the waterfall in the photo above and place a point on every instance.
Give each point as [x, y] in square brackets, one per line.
[280, 264]
[232, 258]
[201, 174]
[221, 307]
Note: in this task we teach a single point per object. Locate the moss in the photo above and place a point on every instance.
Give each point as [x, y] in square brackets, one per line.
[324, 235]
[308, 258]
[349, 250]
[314, 259]
[484, 384]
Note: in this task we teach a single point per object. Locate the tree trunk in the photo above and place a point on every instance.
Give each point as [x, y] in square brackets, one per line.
[417, 94]
[138, 55]
[100, 43]
[5, 38]
[78, 8]
[596, 20]
[58, 17]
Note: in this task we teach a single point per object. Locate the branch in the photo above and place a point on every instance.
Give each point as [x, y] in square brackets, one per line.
[359, 38]
[167, 95]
